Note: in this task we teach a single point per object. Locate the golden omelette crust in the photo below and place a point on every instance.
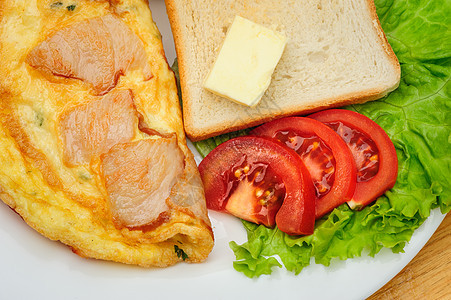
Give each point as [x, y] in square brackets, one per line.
[70, 203]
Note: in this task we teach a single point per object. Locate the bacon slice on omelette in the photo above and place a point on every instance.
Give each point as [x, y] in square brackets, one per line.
[91, 129]
[95, 50]
[139, 177]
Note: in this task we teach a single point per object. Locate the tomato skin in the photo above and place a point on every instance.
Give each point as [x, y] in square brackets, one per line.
[345, 172]
[296, 216]
[285, 163]
[367, 191]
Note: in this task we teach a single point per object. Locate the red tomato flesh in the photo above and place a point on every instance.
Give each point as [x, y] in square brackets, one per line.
[373, 151]
[261, 181]
[326, 156]
[316, 155]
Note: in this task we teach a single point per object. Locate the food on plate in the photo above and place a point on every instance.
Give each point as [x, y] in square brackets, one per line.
[291, 171]
[326, 156]
[262, 181]
[248, 56]
[336, 54]
[92, 145]
[416, 118]
[108, 49]
[250, 176]
[373, 151]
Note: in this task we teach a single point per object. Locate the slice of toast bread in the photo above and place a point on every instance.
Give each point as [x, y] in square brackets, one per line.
[336, 54]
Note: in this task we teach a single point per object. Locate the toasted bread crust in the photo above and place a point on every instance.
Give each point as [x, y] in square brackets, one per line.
[348, 99]
[178, 36]
[383, 41]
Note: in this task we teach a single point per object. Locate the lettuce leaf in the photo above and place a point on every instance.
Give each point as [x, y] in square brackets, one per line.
[417, 117]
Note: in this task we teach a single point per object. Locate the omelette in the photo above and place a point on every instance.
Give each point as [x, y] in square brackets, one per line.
[92, 147]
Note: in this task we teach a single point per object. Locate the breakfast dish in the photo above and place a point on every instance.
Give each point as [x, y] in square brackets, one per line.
[336, 54]
[38, 261]
[52, 272]
[93, 151]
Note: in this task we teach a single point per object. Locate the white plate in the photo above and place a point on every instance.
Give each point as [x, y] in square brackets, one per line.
[33, 267]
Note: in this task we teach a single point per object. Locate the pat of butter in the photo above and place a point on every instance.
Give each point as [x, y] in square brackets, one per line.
[243, 69]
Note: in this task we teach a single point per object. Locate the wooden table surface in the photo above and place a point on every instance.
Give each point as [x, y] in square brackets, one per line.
[428, 275]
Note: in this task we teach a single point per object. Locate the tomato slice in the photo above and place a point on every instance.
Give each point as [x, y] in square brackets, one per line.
[262, 181]
[373, 151]
[325, 154]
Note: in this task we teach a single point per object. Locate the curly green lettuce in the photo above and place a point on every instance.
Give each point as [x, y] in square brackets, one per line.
[417, 117]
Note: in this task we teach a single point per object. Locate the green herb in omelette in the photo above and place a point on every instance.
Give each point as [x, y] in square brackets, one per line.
[56, 4]
[39, 119]
[71, 7]
[180, 253]
[85, 176]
